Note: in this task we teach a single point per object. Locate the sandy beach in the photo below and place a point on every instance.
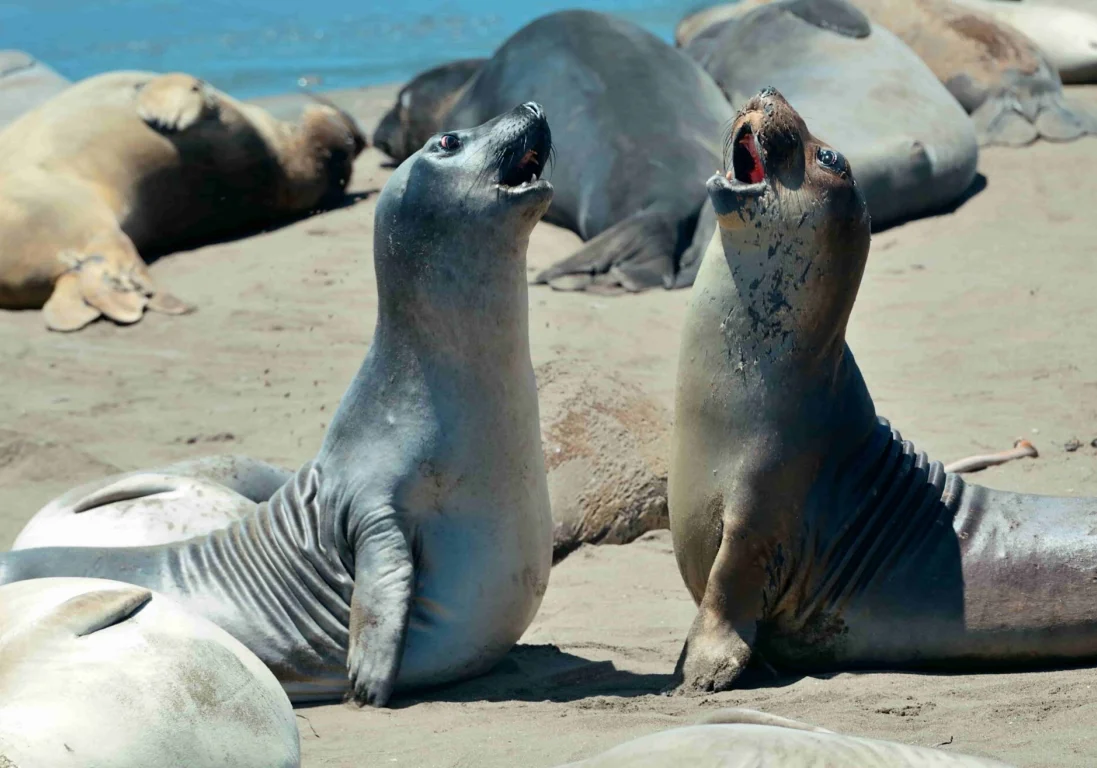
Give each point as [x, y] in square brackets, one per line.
[972, 329]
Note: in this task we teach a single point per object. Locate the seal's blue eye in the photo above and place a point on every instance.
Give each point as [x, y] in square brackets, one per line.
[831, 159]
[449, 142]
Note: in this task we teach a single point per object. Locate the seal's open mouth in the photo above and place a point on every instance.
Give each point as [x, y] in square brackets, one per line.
[746, 158]
[523, 161]
[528, 169]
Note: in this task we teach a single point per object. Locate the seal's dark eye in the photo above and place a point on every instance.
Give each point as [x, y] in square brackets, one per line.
[832, 160]
[449, 142]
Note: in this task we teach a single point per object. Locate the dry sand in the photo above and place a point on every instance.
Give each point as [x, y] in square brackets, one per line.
[972, 329]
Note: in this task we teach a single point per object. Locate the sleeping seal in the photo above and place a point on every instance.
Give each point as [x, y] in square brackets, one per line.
[635, 126]
[811, 535]
[744, 738]
[912, 146]
[132, 163]
[415, 548]
[99, 674]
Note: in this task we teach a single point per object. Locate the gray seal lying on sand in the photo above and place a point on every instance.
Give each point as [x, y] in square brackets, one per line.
[911, 144]
[415, 548]
[810, 534]
[97, 673]
[636, 122]
[744, 738]
[133, 162]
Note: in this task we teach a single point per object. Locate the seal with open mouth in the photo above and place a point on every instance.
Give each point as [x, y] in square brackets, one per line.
[810, 534]
[415, 548]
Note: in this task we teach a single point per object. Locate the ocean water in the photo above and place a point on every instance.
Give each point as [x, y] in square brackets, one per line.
[252, 48]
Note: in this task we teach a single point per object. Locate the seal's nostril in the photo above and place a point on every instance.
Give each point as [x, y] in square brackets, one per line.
[535, 108]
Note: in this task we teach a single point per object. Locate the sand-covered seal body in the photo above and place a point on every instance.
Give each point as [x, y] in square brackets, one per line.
[741, 738]
[912, 146]
[811, 535]
[415, 548]
[25, 83]
[100, 674]
[1065, 30]
[634, 121]
[132, 163]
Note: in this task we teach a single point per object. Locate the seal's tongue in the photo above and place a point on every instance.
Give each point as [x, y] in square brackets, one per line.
[745, 160]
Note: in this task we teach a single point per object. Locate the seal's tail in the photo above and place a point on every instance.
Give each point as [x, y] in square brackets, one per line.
[1007, 120]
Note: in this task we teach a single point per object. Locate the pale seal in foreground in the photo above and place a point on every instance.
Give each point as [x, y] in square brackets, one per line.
[743, 738]
[635, 128]
[911, 144]
[24, 84]
[99, 674]
[810, 534]
[132, 163]
[1065, 30]
[415, 548]
[1000, 77]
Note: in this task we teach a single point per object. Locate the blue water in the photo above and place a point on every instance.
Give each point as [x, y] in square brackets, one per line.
[262, 47]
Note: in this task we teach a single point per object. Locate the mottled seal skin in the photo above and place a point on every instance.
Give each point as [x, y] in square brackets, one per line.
[25, 83]
[809, 533]
[415, 548]
[173, 503]
[132, 163]
[999, 76]
[635, 127]
[912, 146]
[1065, 30]
[100, 674]
[421, 108]
[743, 738]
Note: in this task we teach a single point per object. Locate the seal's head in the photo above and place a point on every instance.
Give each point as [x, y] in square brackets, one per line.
[421, 107]
[457, 215]
[794, 225]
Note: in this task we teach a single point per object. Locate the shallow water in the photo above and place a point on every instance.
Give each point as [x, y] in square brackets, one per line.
[263, 47]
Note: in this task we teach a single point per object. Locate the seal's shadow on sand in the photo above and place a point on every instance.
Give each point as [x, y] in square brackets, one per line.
[978, 184]
[542, 673]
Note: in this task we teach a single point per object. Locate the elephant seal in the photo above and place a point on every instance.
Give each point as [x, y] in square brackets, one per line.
[99, 673]
[999, 76]
[415, 548]
[743, 738]
[133, 162]
[1065, 30]
[630, 107]
[173, 503]
[913, 148]
[25, 83]
[421, 107]
[810, 534]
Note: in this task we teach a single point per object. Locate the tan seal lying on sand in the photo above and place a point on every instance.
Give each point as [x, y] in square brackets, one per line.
[811, 535]
[743, 738]
[99, 674]
[133, 162]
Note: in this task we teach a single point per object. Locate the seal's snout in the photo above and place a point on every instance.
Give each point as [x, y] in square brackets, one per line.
[537, 110]
[522, 162]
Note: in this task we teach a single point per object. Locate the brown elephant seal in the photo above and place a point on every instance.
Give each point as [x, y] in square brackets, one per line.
[1000, 77]
[810, 534]
[99, 674]
[25, 83]
[415, 548]
[743, 738]
[132, 162]
[605, 443]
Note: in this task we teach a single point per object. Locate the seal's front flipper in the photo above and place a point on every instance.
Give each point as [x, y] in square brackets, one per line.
[108, 289]
[737, 716]
[94, 611]
[635, 254]
[1059, 120]
[174, 103]
[167, 304]
[66, 309]
[384, 579]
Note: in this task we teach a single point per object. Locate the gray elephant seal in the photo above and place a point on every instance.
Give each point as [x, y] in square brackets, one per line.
[811, 535]
[98, 673]
[415, 548]
[742, 738]
[132, 163]
[635, 137]
[25, 83]
[912, 146]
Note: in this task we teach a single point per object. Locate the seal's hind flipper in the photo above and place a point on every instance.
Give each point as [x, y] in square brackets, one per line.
[66, 309]
[636, 254]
